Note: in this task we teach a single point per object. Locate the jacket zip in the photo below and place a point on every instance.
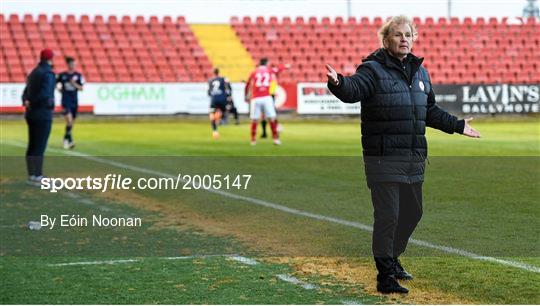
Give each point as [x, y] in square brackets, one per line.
[382, 148]
[413, 110]
[413, 107]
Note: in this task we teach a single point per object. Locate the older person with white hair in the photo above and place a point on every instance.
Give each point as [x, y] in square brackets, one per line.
[398, 103]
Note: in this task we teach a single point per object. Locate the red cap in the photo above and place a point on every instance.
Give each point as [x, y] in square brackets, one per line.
[46, 54]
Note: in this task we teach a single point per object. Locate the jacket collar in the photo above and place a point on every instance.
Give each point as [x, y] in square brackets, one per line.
[45, 64]
[383, 56]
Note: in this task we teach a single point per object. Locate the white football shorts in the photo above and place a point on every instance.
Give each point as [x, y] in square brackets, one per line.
[262, 105]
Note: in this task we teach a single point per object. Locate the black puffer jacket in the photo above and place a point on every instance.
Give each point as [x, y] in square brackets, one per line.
[397, 105]
[39, 90]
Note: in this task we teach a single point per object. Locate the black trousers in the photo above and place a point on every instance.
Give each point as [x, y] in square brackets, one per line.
[38, 135]
[397, 211]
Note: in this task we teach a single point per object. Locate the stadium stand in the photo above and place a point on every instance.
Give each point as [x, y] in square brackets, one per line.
[151, 50]
[107, 50]
[455, 51]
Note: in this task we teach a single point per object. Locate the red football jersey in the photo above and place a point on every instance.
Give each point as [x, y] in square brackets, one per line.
[259, 82]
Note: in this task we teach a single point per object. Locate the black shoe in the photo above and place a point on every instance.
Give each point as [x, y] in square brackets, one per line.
[389, 284]
[399, 272]
[264, 136]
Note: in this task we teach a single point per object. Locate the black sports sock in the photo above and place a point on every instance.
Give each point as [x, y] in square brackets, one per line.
[214, 125]
[67, 135]
[263, 125]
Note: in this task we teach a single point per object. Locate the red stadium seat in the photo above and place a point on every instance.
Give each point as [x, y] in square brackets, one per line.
[13, 19]
[140, 20]
[364, 21]
[480, 21]
[70, 20]
[126, 20]
[326, 21]
[42, 18]
[286, 21]
[531, 21]
[493, 22]
[273, 21]
[27, 18]
[454, 21]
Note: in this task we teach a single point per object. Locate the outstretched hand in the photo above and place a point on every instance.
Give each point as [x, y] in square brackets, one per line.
[469, 130]
[332, 75]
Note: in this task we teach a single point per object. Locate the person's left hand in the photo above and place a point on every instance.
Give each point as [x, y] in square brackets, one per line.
[469, 130]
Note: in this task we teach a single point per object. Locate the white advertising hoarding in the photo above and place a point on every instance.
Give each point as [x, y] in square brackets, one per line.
[155, 98]
[316, 99]
[10, 96]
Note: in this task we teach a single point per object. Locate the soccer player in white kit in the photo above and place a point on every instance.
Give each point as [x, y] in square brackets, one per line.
[259, 88]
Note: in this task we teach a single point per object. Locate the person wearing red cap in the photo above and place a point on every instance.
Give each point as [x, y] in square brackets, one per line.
[38, 100]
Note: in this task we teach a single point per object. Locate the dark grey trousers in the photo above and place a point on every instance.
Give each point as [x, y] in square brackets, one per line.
[38, 135]
[397, 211]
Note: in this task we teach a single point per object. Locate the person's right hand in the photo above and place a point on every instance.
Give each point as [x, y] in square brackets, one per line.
[27, 104]
[332, 75]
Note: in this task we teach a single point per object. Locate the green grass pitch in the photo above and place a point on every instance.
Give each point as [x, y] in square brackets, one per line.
[480, 196]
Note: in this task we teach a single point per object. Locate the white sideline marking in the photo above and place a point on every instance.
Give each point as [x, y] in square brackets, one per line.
[85, 201]
[350, 302]
[72, 195]
[120, 261]
[296, 281]
[244, 260]
[179, 257]
[99, 262]
[364, 227]
[198, 256]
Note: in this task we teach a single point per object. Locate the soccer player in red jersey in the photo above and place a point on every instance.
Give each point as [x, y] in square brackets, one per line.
[276, 70]
[258, 94]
